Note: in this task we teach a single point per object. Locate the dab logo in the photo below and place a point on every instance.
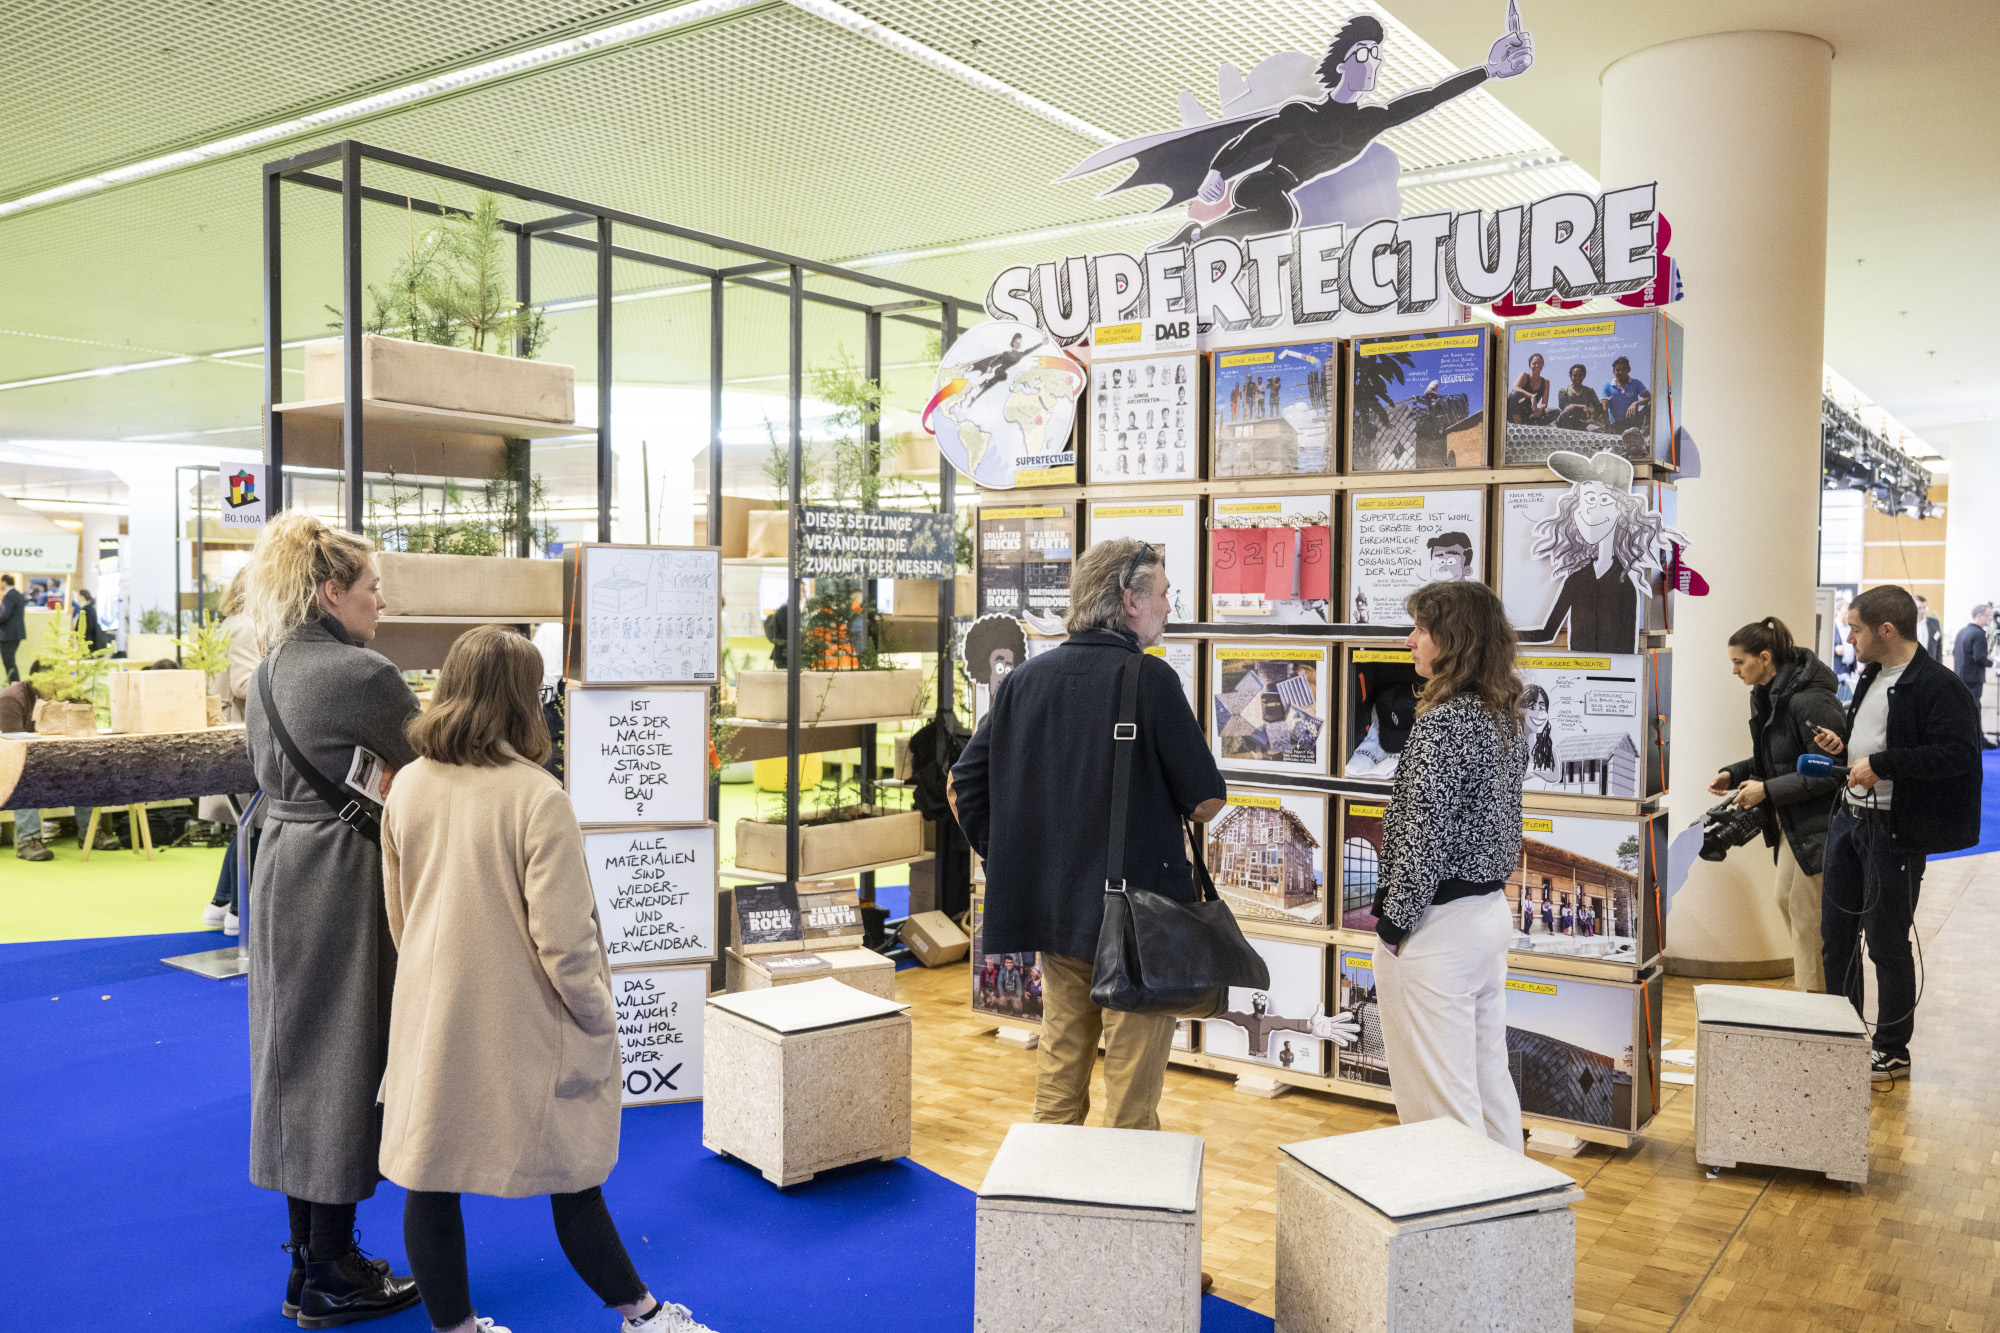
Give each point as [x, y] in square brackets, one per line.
[242, 489]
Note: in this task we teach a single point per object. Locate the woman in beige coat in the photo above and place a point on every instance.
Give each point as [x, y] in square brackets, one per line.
[503, 1072]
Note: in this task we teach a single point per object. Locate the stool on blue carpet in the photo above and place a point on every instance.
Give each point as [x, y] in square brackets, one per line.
[1781, 1079]
[801, 1079]
[1422, 1227]
[1085, 1228]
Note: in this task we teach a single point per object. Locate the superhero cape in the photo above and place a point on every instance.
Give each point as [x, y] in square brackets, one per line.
[1178, 159]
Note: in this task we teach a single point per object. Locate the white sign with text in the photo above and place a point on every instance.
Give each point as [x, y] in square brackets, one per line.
[638, 756]
[655, 893]
[660, 1012]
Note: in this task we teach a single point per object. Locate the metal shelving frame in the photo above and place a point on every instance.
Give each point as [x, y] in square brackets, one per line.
[580, 225]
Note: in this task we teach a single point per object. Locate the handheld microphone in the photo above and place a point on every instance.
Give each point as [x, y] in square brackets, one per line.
[1820, 766]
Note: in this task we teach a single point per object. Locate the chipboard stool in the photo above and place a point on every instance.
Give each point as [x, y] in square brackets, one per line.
[1781, 1079]
[1087, 1228]
[801, 1079]
[1419, 1228]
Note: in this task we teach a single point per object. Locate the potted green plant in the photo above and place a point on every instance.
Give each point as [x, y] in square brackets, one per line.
[66, 686]
[208, 653]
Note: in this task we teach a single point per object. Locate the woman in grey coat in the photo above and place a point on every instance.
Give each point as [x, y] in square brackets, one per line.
[323, 966]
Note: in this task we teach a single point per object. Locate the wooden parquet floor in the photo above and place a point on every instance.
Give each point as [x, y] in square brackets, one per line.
[1659, 1245]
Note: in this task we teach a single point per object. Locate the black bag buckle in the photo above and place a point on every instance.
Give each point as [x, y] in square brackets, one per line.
[1125, 731]
[1109, 889]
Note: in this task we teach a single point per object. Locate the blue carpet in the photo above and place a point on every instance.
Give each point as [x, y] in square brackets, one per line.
[1989, 810]
[127, 1101]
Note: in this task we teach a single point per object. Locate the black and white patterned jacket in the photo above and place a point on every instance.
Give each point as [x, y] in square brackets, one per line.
[1456, 812]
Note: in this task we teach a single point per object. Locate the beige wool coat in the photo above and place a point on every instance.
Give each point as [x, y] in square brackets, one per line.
[503, 1074]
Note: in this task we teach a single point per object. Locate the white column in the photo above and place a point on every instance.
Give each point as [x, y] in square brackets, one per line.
[147, 558]
[1734, 128]
[1971, 555]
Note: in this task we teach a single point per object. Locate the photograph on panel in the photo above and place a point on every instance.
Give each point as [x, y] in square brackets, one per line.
[1268, 706]
[1266, 852]
[1363, 1059]
[1585, 385]
[1271, 410]
[1579, 887]
[1286, 1023]
[1417, 401]
[1570, 1048]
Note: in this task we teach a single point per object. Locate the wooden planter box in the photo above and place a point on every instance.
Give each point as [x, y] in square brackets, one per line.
[157, 701]
[826, 849]
[830, 696]
[768, 533]
[54, 717]
[452, 378]
[470, 585]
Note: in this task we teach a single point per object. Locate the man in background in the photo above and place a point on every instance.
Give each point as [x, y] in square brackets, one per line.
[1929, 632]
[13, 624]
[1970, 658]
[17, 713]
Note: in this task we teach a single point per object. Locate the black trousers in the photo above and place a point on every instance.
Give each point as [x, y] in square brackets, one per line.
[434, 1237]
[8, 647]
[1870, 890]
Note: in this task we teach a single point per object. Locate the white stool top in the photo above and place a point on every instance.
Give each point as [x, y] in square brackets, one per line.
[1428, 1167]
[1114, 1168]
[1762, 1007]
[806, 1006]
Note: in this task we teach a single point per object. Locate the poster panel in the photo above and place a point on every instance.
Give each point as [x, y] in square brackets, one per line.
[1397, 541]
[1363, 1058]
[1008, 985]
[637, 756]
[1586, 887]
[1381, 708]
[655, 891]
[1285, 1024]
[1266, 852]
[1571, 1049]
[1175, 525]
[1004, 407]
[1145, 418]
[1271, 557]
[1272, 410]
[1547, 562]
[660, 1011]
[1418, 401]
[1595, 723]
[1025, 554]
[1586, 384]
[1360, 862]
[1268, 707]
[651, 614]
[1184, 656]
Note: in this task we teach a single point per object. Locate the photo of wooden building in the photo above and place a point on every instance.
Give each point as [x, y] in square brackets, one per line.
[1572, 895]
[1263, 857]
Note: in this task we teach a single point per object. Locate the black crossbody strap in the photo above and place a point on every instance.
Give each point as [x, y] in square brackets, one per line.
[349, 809]
[1124, 739]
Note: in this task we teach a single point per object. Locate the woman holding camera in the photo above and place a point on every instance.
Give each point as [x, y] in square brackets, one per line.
[1450, 838]
[1792, 693]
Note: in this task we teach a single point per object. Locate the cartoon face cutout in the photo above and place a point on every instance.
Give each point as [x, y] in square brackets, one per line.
[1597, 510]
[1450, 564]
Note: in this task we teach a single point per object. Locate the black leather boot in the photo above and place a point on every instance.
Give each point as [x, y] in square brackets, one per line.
[296, 1282]
[350, 1288]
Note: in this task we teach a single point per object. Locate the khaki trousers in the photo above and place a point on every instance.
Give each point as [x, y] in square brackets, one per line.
[1135, 1053]
[1798, 896]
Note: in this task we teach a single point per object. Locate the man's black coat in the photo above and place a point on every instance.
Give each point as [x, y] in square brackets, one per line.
[1932, 756]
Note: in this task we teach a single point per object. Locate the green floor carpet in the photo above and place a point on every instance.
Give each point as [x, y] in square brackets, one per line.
[113, 893]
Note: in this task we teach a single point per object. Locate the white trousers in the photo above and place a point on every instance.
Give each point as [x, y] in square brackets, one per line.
[1443, 999]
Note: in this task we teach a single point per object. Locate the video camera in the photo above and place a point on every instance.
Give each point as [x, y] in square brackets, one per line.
[1730, 825]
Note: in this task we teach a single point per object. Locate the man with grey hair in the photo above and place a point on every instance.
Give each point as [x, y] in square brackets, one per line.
[1970, 658]
[1033, 793]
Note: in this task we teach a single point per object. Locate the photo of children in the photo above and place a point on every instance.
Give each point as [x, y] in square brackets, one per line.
[1418, 401]
[1587, 888]
[1270, 410]
[1146, 418]
[1396, 543]
[1267, 854]
[1584, 384]
[1268, 707]
[1007, 984]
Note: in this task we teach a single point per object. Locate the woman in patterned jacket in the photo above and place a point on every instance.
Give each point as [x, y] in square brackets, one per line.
[1450, 838]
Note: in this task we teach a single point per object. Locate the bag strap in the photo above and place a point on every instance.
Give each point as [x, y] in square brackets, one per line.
[349, 810]
[1204, 886]
[1124, 739]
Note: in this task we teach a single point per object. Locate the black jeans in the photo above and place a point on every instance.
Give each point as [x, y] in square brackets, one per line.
[434, 1237]
[8, 647]
[1871, 889]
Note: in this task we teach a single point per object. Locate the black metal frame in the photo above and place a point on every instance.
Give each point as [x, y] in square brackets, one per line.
[349, 154]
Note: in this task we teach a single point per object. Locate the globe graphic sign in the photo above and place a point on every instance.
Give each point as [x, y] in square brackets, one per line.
[1004, 405]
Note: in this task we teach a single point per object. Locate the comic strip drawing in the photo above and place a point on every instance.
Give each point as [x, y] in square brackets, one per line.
[1295, 145]
[1606, 547]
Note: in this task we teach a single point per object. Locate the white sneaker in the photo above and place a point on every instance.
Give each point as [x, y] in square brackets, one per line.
[668, 1318]
[229, 927]
[211, 914]
[485, 1325]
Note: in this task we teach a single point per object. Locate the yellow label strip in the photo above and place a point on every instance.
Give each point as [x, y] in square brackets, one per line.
[1382, 654]
[1248, 358]
[1562, 664]
[1139, 511]
[1044, 511]
[1531, 987]
[1271, 654]
[1241, 798]
[1251, 507]
[1597, 329]
[1389, 502]
[1368, 811]
[1418, 344]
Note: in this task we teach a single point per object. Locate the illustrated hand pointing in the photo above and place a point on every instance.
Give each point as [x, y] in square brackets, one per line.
[1212, 188]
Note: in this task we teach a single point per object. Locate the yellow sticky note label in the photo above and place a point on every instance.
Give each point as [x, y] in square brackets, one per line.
[1389, 502]
[1042, 511]
[1251, 507]
[1109, 334]
[1271, 654]
[1368, 811]
[1243, 798]
[1046, 476]
[1248, 358]
[1358, 960]
[1596, 329]
[1562, 664]
[1538, 826]
[1417, 344]
[1381, 654]
[1139, 511]
[1531, 987]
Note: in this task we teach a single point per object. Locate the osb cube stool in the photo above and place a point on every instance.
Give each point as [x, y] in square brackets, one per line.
[862, 969]
[1420, 1228]
[801, 1079]
[1781, 1079]
[1083, 1229]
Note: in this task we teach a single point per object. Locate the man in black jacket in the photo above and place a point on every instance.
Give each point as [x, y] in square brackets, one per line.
[1970, 658]
[1913, 788]
[1033, 794]
[13, 624]
[1929, 632]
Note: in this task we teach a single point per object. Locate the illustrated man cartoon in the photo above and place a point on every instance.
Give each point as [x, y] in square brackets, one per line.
[1451, 557]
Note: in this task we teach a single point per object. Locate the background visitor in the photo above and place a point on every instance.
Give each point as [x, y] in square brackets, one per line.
[1971, 655]
[17, 713]
[13, 624]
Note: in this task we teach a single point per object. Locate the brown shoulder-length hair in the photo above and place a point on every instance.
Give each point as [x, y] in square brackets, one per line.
[1475, 649]
[489, 691]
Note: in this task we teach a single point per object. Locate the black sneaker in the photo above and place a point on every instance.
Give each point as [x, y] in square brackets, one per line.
[1884, 1065]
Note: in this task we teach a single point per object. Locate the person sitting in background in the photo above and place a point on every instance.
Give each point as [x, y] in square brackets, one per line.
[503, 1075]
[17, 713]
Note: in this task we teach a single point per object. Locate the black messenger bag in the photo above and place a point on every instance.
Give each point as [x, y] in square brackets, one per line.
[1156, 955]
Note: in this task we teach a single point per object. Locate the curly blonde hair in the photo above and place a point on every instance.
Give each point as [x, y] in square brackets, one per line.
[1475, 649]
[295, 555]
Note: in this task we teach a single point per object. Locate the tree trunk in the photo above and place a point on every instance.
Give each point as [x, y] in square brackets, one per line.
[123, 769]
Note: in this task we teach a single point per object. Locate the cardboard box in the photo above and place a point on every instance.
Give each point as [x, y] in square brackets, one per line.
[767, 533]
[452, 378]
[919, 597]
[935, 939]
[155, 701]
